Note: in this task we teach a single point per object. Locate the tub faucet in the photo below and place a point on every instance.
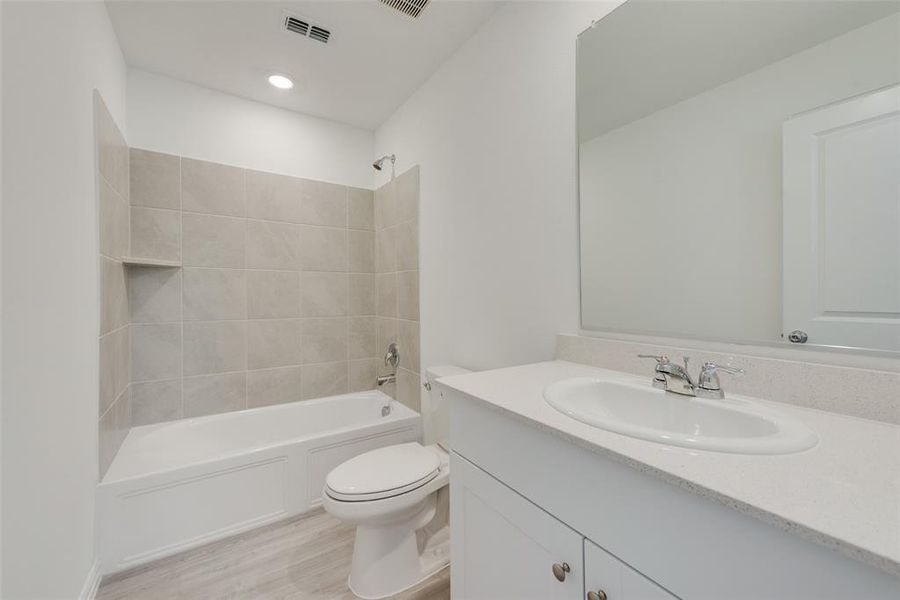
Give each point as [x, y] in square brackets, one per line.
[392, 359]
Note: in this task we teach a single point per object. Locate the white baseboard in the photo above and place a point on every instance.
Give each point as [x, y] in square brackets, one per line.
[91, 583]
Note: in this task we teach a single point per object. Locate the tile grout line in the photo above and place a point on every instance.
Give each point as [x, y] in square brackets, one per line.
[181, 250]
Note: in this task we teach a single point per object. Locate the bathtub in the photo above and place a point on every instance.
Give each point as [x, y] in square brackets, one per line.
[180, 484]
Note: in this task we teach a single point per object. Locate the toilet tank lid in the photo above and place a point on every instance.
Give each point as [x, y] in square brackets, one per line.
[433, 373]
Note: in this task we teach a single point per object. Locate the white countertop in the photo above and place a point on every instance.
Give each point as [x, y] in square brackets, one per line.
[844, 493]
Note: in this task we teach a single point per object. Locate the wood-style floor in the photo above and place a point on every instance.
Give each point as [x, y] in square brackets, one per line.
[304, 558]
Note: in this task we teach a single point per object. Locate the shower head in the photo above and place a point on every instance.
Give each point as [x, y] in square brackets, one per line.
[377, 164]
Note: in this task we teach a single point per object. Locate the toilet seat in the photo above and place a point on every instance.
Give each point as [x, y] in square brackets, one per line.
[383, 473]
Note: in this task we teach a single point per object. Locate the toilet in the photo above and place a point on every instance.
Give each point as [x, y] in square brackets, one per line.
[397, 497]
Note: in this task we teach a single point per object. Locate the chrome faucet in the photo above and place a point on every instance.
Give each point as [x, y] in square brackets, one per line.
[392, 359]
[674, 378]
[383, 379]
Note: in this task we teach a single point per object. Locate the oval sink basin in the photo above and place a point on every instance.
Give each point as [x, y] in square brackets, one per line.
[642, 411]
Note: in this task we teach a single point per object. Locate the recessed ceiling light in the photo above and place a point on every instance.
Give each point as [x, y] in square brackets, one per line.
[281, 82]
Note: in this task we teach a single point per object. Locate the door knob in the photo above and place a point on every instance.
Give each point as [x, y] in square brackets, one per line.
[798, 336]
[598, 595]
[560, 570]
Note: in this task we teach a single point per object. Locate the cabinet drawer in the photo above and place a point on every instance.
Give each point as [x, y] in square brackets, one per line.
[616, 580]
[506, 547]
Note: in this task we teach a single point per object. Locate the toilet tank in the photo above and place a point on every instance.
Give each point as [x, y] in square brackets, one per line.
[435, 417]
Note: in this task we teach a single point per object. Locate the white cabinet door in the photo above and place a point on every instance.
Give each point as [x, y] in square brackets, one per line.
[505, 547]
[841, 238]
[610, 578]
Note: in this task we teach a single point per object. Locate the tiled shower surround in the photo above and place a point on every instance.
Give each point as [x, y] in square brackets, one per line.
[275, 301]
[114, 405]
[397, 280]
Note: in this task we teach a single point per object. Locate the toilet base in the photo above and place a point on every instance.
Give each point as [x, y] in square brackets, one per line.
[391, 558]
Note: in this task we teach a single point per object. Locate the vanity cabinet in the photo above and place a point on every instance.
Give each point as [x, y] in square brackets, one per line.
[524, 498]
[510, 548]
[606, 578]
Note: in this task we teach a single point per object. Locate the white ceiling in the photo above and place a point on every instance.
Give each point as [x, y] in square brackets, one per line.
[376, 58]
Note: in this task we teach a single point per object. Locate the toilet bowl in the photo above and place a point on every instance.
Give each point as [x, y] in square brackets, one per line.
[397, 497]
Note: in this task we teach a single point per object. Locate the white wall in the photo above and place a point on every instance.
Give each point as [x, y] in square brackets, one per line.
[494, 133]
[53, 55]
[168, 115]
[699, 184]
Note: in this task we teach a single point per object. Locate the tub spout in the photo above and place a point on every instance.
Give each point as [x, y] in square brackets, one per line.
[383, 379]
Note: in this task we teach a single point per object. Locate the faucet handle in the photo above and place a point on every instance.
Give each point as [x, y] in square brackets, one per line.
[659, 380]
[659, 358]
[712, 367]
[708, 383]
[392, 357]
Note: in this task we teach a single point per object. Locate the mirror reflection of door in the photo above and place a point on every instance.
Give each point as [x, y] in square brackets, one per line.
[842, 222]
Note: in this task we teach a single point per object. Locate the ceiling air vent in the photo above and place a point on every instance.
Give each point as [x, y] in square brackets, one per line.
[303, 27]
[411, 8]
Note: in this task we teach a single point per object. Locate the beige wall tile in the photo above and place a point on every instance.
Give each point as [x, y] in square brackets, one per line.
[155, 179]
[114, 222]
[155, 351]
[214, 294]
[212, 188]
[323, 294]
[386, 250]
[211, 241]
[324, 379]
[112, 429]
[385, 206]
[360, 209]
[386, 294]
[323, 248]
[273, 245]
[361, 337]
[273, 197]
[408, 295]
[323, 203]
[323, 340]
[273, 294]
[273, 343]
[408, 389]
[214, 347]
[408, 195]
[409, 345]
[155, 233]
[386, 332]
[273, 386]
[112, 151]
[362, 294]
[408, 246]
[361, 247]
[113, 295]
[156, 401]
[115, 366]
[258, 315]
[213, 394]
[154, 295]
[362, 374]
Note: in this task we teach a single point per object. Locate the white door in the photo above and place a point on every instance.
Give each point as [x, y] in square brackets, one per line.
[609, 578]
[505, 547]
[842, 223]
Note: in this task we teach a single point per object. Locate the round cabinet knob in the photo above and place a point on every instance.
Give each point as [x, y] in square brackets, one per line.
[598, 595]
[560, 570]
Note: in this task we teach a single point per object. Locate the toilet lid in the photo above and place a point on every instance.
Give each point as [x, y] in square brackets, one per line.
[383, 473]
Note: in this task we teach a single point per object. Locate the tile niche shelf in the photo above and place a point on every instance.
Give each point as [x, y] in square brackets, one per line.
[133, 261]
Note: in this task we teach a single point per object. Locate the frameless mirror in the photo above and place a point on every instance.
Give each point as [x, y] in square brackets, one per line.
[739, 171]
